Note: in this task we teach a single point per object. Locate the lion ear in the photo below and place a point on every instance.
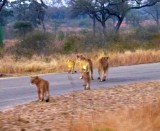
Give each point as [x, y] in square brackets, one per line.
[36, 77]
[107, 57]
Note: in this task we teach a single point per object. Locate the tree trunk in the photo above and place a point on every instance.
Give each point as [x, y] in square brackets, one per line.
[158, 25]
[2, 4]
[94, 26]
[1, 36]
[118, 25]
[44, 28]
[104, 33]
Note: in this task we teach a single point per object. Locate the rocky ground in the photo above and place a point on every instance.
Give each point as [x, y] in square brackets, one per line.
[61, 113]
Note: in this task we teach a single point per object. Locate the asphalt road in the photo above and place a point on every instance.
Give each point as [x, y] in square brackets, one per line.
[15, 91]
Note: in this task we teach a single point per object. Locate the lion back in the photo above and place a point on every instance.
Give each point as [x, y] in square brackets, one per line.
[103, 63]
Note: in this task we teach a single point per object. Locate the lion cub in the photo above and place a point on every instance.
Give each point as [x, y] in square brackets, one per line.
[103, 66]
[42, 88]
[87, 79]
[71, 66]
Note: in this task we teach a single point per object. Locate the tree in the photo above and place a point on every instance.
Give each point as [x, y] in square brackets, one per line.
[37, 11]
[1, 37]
[23, 27]
[135, 17]
[5, 13]
[2, 3]
[30, 10]
[102, 10]
[81, 7]
[96, 9]
[120, 8]
[21, 8]
[154, 12]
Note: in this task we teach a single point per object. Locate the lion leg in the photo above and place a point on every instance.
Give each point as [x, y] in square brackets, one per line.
[81, 73]
[91, 71]
[47, 96]
[105, 75]
[85, 83]
[39, 95]
[99, 73]
[69, 70]
[72, 70]
[92, 76]
[88, 86]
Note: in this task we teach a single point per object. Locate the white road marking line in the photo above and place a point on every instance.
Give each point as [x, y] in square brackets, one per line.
[16, 77]
[21, 99]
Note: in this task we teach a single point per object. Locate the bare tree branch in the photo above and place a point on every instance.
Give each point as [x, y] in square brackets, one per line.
[2, 3]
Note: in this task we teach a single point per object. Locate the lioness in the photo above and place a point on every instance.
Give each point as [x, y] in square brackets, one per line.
[71, 66]
[85, 64]
[42, 88]
[103, 66]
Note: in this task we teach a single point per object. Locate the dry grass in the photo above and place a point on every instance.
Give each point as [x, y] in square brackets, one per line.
[56, 63]
[146, 118]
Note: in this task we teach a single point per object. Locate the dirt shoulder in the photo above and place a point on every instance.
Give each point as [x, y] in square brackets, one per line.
[62, 112]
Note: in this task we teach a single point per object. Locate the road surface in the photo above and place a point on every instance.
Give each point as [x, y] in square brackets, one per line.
[15, 91]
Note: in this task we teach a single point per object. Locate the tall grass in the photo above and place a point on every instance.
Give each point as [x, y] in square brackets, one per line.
[144, 118]
[57, 62]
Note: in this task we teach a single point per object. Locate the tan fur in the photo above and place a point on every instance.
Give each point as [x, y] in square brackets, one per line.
[103, 66]
[42, 88]
[85, 64]
[86, 78]
[71, 66]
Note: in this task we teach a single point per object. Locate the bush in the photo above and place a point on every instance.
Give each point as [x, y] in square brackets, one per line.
[68, 47]
[61, 35]
[145, 33]
[73, 43]
[23, 27]
[34, 43]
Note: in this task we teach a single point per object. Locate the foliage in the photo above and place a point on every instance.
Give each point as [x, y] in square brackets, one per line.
[145, 33]
[29, 10]
[61, 35]
[72, 43]
[2, 3]
[4, 14]
[154, 12]
[23, 27]
[104, 10]
[34, 43]
[68, 47]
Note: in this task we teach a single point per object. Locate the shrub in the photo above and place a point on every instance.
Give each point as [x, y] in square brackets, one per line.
[61, 35]
[68, 47]
[145, 33]
[73, 43]
[23, 27]
[34, 43]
